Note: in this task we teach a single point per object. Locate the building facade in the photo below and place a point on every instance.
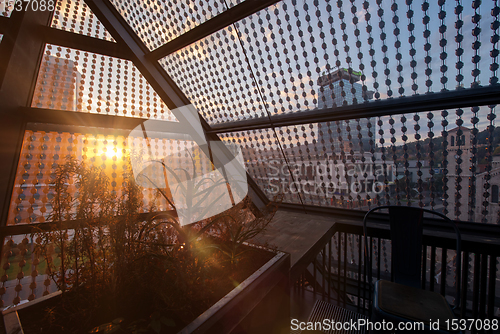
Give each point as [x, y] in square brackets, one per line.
[59, 85]
[341, 88]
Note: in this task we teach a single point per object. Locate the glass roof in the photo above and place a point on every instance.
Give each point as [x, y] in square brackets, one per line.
[80, 81]
[297, 59]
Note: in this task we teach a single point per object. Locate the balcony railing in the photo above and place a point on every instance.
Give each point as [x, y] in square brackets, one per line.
[338, 273]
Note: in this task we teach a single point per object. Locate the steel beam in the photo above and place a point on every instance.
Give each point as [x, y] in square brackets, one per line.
[224, 19]
[20, 53]
[21, 229]
[83, 119]
[85, 43]
[156, 76]
[471, 97]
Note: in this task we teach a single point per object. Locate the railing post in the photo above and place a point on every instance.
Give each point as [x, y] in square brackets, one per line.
[465, 283]
[432, 268]
[424, 266]
[491, 286]
[360, 239]
[323, 267]
[345, 269]
[443, 269]
[314, 276]
[475, 289]
[484, 278]
[329, 269]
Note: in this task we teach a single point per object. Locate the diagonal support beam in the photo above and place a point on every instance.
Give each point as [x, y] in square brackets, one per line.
[162, 83]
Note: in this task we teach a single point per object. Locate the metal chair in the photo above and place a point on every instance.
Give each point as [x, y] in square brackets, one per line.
[403, 300]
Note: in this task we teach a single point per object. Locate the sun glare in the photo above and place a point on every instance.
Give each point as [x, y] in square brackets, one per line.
[101, 148]
[112, 151]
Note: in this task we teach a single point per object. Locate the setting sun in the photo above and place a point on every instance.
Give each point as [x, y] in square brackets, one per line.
[101, 147]
[111, 151]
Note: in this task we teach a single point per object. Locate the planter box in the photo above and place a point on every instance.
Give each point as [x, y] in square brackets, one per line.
[11, 319]
[260, 304]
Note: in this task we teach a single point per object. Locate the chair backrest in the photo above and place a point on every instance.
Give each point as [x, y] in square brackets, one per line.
[406, 225]
[406, 239]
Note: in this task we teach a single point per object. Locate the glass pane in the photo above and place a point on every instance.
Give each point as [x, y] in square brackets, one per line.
[399, 160]
[72, 167]
[75, 16]
[25, 273]
[158, 22]
[43, 155]
[81, 81]
[85, 178]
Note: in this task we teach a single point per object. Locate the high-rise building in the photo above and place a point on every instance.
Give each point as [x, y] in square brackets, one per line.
[341, 88]
[59, 85]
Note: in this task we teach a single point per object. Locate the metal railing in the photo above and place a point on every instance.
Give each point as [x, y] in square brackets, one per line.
[338, 273]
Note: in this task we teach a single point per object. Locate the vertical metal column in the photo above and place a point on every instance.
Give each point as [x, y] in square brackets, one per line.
[20, 53]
